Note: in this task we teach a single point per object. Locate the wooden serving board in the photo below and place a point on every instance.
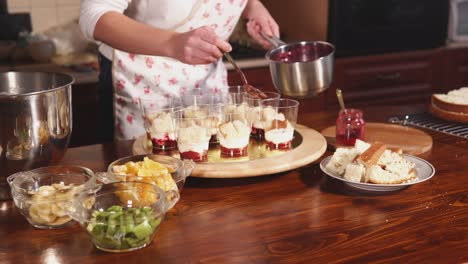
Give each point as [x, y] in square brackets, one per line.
[312, 147]
[411, 140]
[448, 115]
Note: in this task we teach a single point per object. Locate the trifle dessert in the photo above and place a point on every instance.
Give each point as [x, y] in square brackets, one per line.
[161, 130]
[254, 113]
[234, 138]
[193, 137]
[159, 113]
[278, 118]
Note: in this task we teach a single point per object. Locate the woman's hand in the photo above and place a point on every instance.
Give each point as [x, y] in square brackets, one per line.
[260, 20]
[198, 46]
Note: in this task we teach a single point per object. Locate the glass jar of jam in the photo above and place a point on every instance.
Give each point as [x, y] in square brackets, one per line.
[350, 126]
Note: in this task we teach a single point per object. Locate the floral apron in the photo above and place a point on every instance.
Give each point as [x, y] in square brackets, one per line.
[137, 75]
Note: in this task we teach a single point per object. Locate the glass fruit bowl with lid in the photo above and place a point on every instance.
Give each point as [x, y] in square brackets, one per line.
[121, 216]
[166, 172]
[43, 195]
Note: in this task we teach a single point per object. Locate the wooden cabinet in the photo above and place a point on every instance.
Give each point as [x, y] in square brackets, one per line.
[455, 69]
[397, 78]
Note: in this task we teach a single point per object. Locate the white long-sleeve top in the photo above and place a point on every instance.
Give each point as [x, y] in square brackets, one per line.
[163, 14]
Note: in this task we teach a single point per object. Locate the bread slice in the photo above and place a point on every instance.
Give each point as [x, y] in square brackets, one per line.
[340, 159]
[361, 146]
[354, 172]
[377, 175]
[372, 155]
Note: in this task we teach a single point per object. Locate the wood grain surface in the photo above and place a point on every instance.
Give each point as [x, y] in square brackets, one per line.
[448, 115]
[300, 216]
[411, 140]
[312, 147]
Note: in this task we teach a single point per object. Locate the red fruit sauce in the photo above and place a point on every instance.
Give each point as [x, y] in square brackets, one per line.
[164, 143]
[280, 146]
[195, 156]
[257, 133]
[233, 152]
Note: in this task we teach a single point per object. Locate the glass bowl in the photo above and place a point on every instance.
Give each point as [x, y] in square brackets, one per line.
[43, 194]
[121, 216]
[179, 170]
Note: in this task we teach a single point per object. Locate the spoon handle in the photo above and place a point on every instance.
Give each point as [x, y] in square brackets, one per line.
[339, 95]
[231, 60]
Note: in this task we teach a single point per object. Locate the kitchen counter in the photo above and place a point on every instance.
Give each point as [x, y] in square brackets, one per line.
[81, 77]
[300, 216]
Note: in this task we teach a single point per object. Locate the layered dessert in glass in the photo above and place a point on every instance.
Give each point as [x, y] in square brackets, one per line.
[255, 113]
[159, 113]
[279, 117]
[161, 130]
[193, 137]
[234, 132]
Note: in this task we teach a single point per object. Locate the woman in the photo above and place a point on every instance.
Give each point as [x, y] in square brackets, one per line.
[179, 45]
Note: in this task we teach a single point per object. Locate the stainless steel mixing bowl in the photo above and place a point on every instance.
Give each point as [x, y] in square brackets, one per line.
[301, 69]
[35, 121]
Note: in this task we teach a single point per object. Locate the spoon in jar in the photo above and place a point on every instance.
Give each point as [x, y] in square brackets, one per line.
[252, 91]
[339, 95]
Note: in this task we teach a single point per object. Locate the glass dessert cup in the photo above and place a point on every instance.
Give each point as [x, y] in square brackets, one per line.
[42, 195]
[235, 95]
[121, 216]
[234, 132]
[196, 111]
[193, 138]
[279, 117]
[255, 113]
[178, 169]
[350, 125]
[159, 114]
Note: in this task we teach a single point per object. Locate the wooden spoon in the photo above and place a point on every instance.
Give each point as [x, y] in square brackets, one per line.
[252, 91]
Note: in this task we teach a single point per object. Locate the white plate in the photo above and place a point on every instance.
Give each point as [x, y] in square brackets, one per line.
[424, 171]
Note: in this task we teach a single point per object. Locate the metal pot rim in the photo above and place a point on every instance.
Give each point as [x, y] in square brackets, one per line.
[70, 82]
[302, 43]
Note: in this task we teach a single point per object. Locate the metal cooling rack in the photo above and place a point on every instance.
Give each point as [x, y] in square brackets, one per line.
[425, 120]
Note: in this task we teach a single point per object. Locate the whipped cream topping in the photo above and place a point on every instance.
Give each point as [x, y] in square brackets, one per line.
[280, 135]
[235, 134]
[193, 138]
[162, 124]
[190, 146]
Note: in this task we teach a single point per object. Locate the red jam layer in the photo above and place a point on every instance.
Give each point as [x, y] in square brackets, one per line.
[195, 156]
[258, 133]
[280, 146]
[233, 152]
[164, 143]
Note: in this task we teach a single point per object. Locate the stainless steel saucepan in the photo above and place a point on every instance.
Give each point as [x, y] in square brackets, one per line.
[300, 69]
[35, 121]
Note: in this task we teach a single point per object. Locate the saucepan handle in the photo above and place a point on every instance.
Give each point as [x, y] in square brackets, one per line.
[274, 41]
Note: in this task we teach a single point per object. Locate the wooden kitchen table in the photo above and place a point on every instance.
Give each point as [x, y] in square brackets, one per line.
[301, 216]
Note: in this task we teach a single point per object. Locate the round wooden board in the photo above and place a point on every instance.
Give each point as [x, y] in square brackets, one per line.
[448, 115]
[313, 146]
[411, 140]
